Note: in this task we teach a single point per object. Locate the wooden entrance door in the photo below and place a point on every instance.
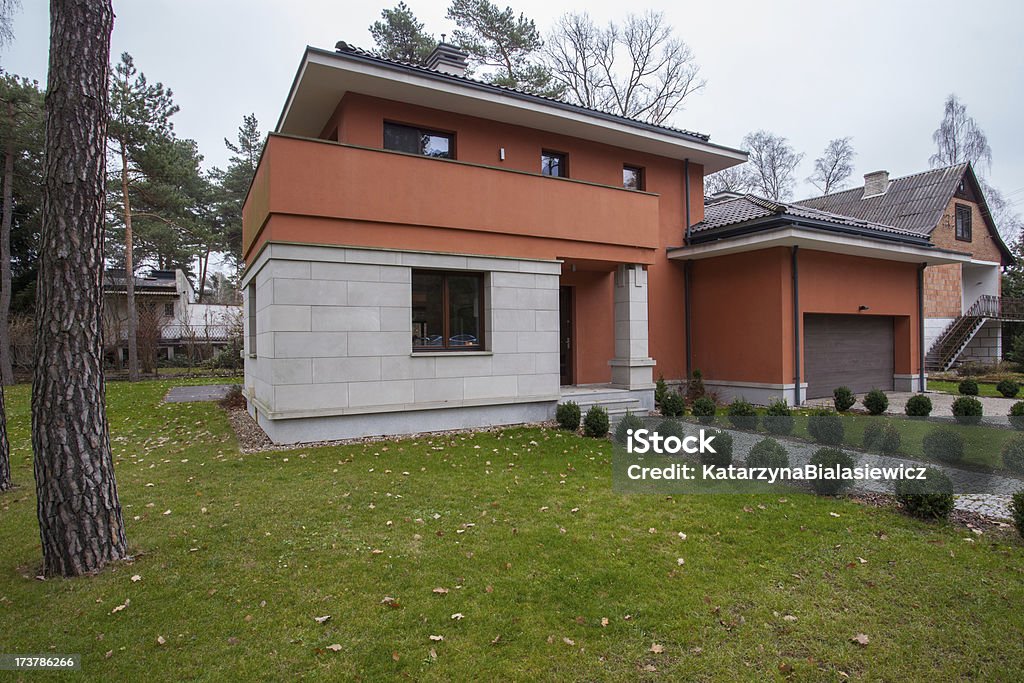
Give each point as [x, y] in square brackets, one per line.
[566, 335]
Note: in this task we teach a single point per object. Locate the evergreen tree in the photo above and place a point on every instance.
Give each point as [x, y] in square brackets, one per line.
[400, 36]
[233, 185]
[504, 43]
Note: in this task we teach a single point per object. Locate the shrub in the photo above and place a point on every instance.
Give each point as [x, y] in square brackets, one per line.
[1017, 507]
[667, 428]
[876, 402]
[660, 390]
[768, 453]
[625, 423]
[1013, 454]
[672, 405]
[973, 368]
[1008, 388]
[918, 405]
[826, 427]
[829, 458]
[695, 387]
[928, 499]
[843, 399]
[568, 415]
[742, 415]
[944, 444]
[1016, 415]
[967, 410]
[968, 387]
[704, 410]
[779, 418]
[595, 422]
[881, 436]
[234, 399]
[722, 457]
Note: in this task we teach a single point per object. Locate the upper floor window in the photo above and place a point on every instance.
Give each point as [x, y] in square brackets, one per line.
[963, 223]
[414, 140]
[554, 164]
[633, 178]
[447, 311]
[169, 310]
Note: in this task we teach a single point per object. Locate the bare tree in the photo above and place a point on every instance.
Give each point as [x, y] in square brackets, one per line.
[735, 179]
[80, 521]
[639, 69]
[771, 165]
[7, 8]
[958, 138]
[834, 166]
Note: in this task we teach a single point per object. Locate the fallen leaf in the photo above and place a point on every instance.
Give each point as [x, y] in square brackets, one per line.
[833, 514]
[334, 648]
[437, 639]
[458, 616]
[136, 578]
[496, 639]
[121, 607]
[657, 649]
[441, 591]
[394, 656]
[376, 551]
[652, 530]
[650, 668]
[433, 653]
[232, 641]
[861, 639]
[160, 640]
[322, 620]
[568, 641]
[604, 621]
[682, 536]
[108, 654]
[489, 589]
[680, 561]
[789, 617]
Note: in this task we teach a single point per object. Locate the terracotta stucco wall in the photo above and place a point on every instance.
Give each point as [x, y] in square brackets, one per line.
[594, 342]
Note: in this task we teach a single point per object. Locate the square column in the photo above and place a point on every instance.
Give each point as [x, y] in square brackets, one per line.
[632, 366]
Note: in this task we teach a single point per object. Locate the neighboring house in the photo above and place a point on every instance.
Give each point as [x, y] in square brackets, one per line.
[170, 322]
[963, 310]
[426, 251]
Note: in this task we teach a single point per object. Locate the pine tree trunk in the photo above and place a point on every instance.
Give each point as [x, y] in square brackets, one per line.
[129, 274]
[6, 370]
[5, 447]
[80, 520]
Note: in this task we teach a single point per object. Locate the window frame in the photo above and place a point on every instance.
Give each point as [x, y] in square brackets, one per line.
[422, 130]
[563, 165]
[446, 312]
[166, 305]
[641, 174]
[964, 211]
[250, 305]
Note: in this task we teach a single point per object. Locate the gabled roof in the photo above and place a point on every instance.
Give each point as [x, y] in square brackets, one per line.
[914, 202]
[750, 213]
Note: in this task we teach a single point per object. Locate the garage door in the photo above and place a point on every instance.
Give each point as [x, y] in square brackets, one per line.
[847, 350]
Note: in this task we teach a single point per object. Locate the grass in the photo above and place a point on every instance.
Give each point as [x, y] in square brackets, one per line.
[984, 388]
[522, 529]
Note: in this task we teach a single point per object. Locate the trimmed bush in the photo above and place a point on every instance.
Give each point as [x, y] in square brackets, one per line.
[968, 387]
[876, 402]
[695, 387]
[595, 422]
[625, 423]
[704, 410]
[779, 418]
[1008, 388]
[768, 453]
[826, 427]
[1013, 454]
[967, 410]
[742, 415]
[944, 444]
[670, 427]
[881, 436]
[918, 405]
[660, 390]
[568, 415]
[1017, 506]
[928, 499]
[722, 443]
[672, 405]
[1016, 415]
[829, 458]
[843, 399]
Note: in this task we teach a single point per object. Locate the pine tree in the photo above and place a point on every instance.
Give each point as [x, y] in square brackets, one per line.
[233, 184]
[139, 112]
[400, 36]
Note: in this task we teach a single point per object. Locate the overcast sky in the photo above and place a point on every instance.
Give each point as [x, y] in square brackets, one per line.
[810, 71]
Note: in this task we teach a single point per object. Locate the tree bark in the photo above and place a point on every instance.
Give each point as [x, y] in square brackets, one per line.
[6, 370]
[5, 447]
[80, 520]
[129, 274]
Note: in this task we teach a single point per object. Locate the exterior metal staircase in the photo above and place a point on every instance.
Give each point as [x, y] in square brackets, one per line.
[951, 343]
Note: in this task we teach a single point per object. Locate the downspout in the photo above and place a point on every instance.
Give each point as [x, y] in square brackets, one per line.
[796, 326]
[920, 327]
[687, 267]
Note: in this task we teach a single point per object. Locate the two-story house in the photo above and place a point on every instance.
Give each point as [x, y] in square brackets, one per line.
[962, 307]
[426, 251]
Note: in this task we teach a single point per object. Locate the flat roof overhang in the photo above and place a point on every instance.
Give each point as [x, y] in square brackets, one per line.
[324, 77]
[817, 240]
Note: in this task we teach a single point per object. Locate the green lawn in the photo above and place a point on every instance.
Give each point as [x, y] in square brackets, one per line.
[237, 554]
[984, 388]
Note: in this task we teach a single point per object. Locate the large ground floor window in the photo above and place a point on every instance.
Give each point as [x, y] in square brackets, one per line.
[447, 311]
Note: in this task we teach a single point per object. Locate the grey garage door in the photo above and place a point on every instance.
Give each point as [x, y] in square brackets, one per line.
[847, 350]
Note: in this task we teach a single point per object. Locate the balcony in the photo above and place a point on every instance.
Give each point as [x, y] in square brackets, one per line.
[388, 199]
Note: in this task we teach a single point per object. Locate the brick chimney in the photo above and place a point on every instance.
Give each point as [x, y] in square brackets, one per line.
[448, 59]
[875, 183]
